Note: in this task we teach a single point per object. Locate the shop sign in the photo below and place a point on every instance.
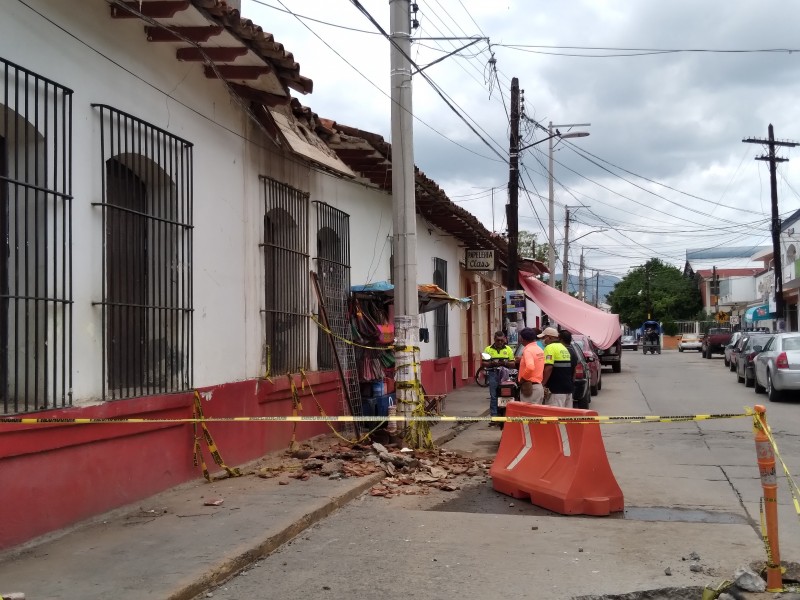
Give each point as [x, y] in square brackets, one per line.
[480, 260]
[515, 301]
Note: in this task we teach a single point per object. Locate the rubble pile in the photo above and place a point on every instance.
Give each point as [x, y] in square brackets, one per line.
[408, 471]
[419, 471]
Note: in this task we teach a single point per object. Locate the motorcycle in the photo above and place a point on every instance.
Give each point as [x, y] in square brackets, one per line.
[508, 388]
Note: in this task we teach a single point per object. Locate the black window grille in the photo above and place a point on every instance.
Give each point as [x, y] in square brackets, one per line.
[333, 268]
[147, 264]
[441, 315]
[36, 238]
[286, 277]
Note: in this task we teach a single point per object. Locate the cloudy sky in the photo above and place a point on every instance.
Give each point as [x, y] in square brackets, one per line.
[670, 89]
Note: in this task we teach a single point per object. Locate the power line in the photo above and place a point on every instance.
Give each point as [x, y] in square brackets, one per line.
[372, 83]
[631, 52]
[435, 87]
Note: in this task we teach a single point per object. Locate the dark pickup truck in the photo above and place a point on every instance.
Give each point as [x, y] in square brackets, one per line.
[715, 340]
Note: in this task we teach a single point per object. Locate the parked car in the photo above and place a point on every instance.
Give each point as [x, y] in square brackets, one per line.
[737, 335]
[734, 351]
[612, 356]
[593, 361]
[777, 367]
[629, 342]
[715, 340]
[745, 368]
[690, 341]
[582, 394]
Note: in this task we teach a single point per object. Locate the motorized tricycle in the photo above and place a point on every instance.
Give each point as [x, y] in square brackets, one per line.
[651, 337]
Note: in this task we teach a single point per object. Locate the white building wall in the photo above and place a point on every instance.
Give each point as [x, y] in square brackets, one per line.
[740, 289]
[228, 204]
[433, 243]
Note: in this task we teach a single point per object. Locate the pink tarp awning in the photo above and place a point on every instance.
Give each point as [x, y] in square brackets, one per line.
[571, 313]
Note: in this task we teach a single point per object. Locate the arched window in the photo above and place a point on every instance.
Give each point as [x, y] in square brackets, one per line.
[147, 293]
[333, 270]
[286, 278]
[35, 242]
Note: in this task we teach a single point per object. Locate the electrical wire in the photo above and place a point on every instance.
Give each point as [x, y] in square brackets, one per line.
[372, 83]
[446, 99]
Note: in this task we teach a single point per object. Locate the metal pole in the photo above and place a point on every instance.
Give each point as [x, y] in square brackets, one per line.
[581, 280]
[404, 223]
[565, 259]
[551, 250]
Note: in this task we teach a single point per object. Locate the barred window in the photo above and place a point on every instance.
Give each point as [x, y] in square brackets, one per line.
[36, 238]
[441, 315]
[333, 268]
[286, 277]
[147, 263]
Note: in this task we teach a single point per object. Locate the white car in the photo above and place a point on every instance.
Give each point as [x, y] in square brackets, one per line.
[690, 341]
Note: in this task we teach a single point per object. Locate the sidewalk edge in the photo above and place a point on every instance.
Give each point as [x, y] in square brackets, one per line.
[229, 566]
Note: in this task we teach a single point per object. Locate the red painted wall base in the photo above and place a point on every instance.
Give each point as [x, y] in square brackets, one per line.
[441, 375]
[52, 476]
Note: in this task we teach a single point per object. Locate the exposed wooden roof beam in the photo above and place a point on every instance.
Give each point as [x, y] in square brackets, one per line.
[179, 34]
[211, 53]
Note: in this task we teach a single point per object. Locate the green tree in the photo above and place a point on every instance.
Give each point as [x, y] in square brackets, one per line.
[529, 246]
[655, 291]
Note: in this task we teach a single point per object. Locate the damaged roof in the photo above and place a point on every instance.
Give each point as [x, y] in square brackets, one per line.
[370, 157]
[227, 46]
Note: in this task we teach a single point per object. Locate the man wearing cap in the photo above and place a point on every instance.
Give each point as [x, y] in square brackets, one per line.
[500, 355]
[557, 376]
[531, 368]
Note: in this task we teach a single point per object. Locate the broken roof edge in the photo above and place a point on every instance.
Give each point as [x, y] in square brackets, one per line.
[433, 204]
[259, 41]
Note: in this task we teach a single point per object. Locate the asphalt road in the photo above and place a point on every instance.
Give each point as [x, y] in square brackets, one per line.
[689, 488]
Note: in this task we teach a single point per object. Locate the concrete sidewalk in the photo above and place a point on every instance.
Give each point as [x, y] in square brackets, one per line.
[173, 546]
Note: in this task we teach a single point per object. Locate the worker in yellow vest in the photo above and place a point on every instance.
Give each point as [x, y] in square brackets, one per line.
[500, 355]
[557, 376]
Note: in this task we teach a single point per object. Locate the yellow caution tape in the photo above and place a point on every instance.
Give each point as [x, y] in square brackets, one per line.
[602, 420]
[793, 487]
[357, 345]
[212, 447]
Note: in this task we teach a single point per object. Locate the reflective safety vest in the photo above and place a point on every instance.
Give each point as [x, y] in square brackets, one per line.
[506, 353]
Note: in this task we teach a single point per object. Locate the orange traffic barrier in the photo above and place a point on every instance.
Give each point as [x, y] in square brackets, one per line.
[569, 475]
[769, 484]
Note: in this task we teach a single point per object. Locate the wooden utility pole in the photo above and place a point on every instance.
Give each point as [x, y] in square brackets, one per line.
[512, 208]
[773, 160]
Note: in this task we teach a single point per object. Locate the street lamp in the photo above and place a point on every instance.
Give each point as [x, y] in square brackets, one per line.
[551, 256]
[565, 261]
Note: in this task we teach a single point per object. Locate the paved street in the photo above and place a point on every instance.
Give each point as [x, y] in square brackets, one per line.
[689, 487]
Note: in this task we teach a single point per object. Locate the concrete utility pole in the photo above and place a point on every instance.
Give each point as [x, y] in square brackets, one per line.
[512, 208]
[404, 213]
[773, 160]
[565, 260]
[581, 280]
[597, 289]
[551, 230]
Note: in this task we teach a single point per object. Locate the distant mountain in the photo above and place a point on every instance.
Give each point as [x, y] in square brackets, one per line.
[604, 285]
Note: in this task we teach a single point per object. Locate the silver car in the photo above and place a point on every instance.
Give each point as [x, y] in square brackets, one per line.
[777, 367]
